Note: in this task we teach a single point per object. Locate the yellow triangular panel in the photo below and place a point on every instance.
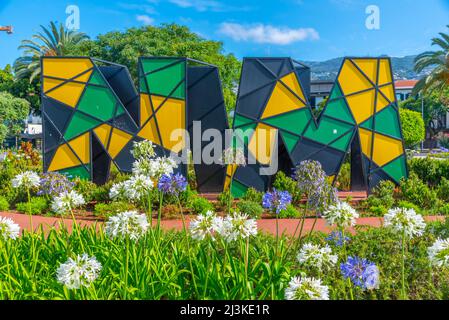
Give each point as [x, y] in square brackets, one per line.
[351, 80]
[362, 105]
[103, 133]
[149, 132]
[65, 68]
[50, 84]
[157, 101]
[230, 170]
[63, 158]
[170, 118]
[84, 77]
[388, 91]
[262, 142]
[80, 146]
[281, 101]
[369, 68]
[382, 103]
[68, 94]
[119, 139]
[386, 149]
[145, 108]
[384, 72]
[291, 81]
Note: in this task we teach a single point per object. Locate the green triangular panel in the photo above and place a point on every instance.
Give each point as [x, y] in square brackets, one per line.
[336, 92]
[120, 110]
[244, 135]
[290, 140]
[97, 79]
[79, 172]
[396, 169]
[238, 190]
[292, 121]
[387, 122]
[98, 102]
[163, 82]
[241, 120]
[368, 124]
[338, 109]
[142, 85]
[343, 143]
[80, 123]
[328, 130]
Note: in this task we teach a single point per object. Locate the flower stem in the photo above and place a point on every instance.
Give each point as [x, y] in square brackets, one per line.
[159, 216]
[403, 291]
[29, 210]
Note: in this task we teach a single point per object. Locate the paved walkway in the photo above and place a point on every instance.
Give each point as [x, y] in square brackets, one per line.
[287, 226]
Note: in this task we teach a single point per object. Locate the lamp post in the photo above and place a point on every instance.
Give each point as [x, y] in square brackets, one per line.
[422, 114]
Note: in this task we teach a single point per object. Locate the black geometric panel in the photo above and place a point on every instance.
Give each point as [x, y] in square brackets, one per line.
[252, 105]
[254, 76]
[101, 163]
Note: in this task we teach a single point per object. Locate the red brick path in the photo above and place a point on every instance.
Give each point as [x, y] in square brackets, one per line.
[287, 226]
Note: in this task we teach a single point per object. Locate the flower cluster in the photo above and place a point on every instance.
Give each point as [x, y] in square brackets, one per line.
[237, 226]
[205, 225]
[8, 229]
[337, 238]
[233, 156]
[53, 184]
[81, 271]
[314, 256]
[154, 168]
[439, 253]
[143, 149]
[341, 214]
[276, 201]
[129, 224]
[303, 288]
[138, 186]
[361, 272]
[172, 184]
[27, 179]
[66, 202]
[405, 221]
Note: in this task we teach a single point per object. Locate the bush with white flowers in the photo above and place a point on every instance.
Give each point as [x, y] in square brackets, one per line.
[128, 224]
[237, 226]
[27, 179]
[315, 256]
[67, 201]
[405, 221]
[341, 214]
[8, 229]
[78, 272]
[205, 225]
[304, 288]
[439, 253]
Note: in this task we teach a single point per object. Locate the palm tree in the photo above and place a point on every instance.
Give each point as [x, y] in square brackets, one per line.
[438, 79]
[51, 41]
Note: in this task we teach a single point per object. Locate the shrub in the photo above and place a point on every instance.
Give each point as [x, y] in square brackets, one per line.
[285, 183]
[170, 211]
[86, 188]
[37, 205]
[417, 192]
[413, 128]
[443, 209]
[200, 205]
[253, 195]
[378, 210]
[290, 212]
[429, 170]
[444, 141]
[223, 199]
[382, 198]
[108, 209]
[344, 177]
[443, 189]
[4, 204]
[252, 209]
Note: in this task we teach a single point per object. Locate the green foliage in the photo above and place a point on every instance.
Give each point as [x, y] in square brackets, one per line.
[86, 188]
[105, 210]
[417, 192]
[382, 198]
[344, 177]
[443, 189]
[285, 183]
[252, 209]
[253, 195]
[37, 205]
[430, 170]
[443, 209]
[413, 128]
[223, 199]
[12, 113]
[444, 141]
[200, 205]
[290, 213]
[4, 204]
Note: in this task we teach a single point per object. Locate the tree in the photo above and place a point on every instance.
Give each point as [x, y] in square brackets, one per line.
[438, 79]
[13, 113]
[167, 40]
[413, 128]
[52, 41]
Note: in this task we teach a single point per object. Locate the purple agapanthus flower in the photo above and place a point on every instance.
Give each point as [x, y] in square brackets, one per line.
[362, 272]
[172, 184]
[276, 201]
[53, 184]
[336, 237]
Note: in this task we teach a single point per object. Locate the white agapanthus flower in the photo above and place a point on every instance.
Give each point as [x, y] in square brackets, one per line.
[8, 229]
[237, 226]
[439, 253]
[67, 201]
[138, 186]
[235, 156]
[154, 168]
[27, 179]
[119, 190]
[81, 271]
[317, 257]
[205, 225]
[128, 224]
[341, 214]
[143, 149]
[303, 288]
[405, 221]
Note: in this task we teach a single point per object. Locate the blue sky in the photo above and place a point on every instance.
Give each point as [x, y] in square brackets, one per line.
[303, 29]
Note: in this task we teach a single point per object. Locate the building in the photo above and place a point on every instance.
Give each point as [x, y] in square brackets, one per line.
[404, 89]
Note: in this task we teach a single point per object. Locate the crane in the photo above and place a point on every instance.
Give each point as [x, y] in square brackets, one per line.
[8, 29]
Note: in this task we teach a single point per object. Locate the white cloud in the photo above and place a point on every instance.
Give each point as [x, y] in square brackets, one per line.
[207, 5]
[146, 20]
[261, 33]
